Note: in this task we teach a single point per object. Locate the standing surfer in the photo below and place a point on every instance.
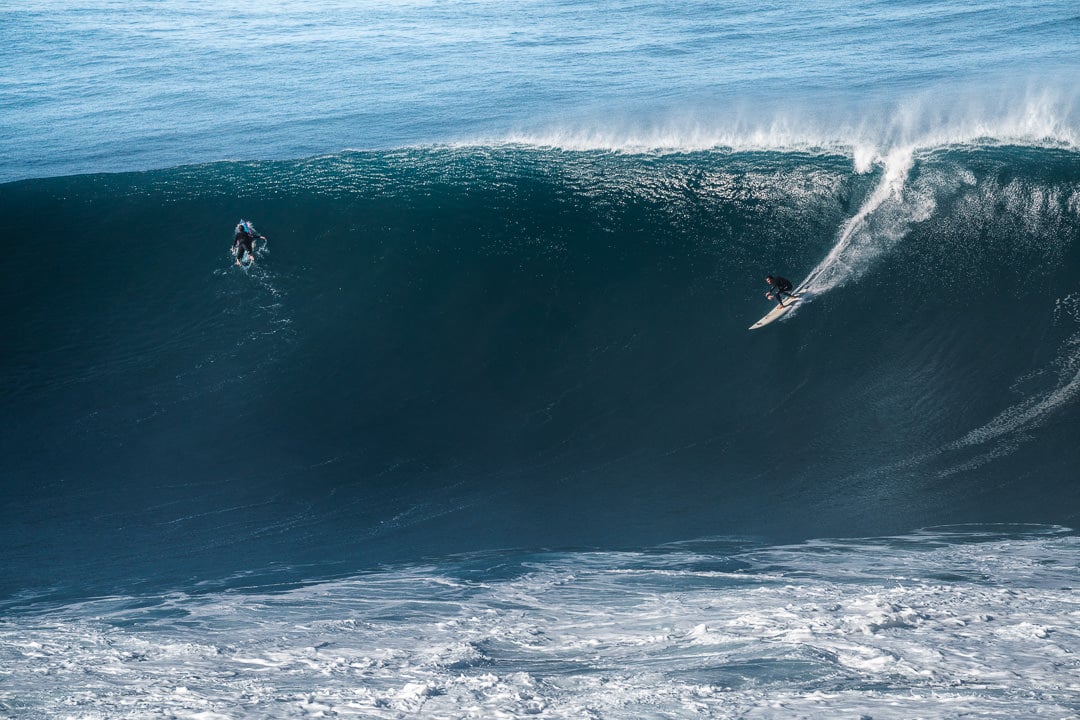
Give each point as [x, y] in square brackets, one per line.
[780, 286]
[244, 241]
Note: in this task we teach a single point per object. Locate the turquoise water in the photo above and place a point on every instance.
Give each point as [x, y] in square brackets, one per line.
[483, 432]
[91, 86]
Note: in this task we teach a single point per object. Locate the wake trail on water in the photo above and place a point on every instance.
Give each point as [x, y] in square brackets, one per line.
[1014, 423]
[861, 240]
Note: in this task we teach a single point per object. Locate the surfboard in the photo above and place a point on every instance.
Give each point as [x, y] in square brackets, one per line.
[778, 312]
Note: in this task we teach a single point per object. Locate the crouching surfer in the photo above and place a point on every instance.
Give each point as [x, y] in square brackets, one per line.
[244, 242]
[780, 287]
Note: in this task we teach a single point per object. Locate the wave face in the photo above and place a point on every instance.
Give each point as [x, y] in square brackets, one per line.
[462, 349]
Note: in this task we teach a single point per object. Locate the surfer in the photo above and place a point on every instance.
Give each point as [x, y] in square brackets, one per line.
[780, 286]
[244, 241]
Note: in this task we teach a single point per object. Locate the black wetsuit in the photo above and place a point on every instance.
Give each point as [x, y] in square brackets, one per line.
[243, 243]
[781, 286]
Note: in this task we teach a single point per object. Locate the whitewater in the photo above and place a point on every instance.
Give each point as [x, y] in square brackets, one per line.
[482, 432]
[714, 627]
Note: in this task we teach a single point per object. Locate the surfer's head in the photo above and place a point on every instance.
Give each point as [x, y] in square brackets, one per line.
[769, 279]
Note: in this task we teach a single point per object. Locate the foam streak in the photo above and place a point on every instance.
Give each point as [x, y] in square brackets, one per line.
[858, 245]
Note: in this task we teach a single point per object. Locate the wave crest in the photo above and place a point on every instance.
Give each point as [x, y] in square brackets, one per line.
[869, 130]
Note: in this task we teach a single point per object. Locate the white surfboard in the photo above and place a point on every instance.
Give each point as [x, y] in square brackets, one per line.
[778, 312]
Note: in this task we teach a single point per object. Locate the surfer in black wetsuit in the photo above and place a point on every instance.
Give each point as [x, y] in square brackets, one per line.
[780, 286]
[244, 242]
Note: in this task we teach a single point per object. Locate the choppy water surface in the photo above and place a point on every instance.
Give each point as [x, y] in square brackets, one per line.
[942, 623]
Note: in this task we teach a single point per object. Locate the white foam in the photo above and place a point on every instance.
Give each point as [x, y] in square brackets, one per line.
[825, 629]
[859, 243]
[1019, 112]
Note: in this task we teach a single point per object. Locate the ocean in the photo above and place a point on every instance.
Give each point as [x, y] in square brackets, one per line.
[483, 431]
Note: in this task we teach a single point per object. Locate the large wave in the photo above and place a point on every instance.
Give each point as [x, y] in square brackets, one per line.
[460, 348]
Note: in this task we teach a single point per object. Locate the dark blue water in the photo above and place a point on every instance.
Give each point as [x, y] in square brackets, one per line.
[453, 350]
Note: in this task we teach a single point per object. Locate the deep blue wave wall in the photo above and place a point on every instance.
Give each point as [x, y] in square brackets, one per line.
[444, 350]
